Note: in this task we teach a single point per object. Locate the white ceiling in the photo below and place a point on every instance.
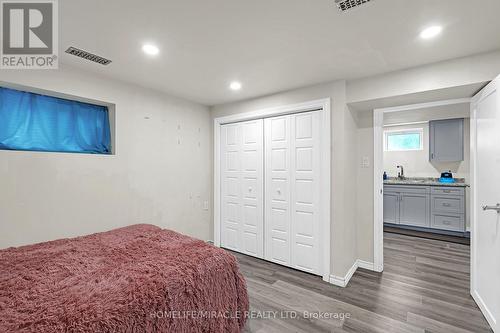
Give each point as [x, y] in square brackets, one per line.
[268, 45]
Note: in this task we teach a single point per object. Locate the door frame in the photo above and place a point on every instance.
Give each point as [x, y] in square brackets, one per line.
[378, 170]
[322, 105]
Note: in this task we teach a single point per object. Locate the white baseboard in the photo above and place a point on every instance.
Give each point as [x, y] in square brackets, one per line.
[342, 281]
[484, 309]
[366, 265]
[337, 281]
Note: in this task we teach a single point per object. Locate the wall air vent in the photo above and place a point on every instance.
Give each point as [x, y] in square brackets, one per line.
[345, 5]
[87, 56]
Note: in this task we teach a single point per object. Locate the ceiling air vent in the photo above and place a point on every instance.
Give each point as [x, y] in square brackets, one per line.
[345, 5]
[87, 56]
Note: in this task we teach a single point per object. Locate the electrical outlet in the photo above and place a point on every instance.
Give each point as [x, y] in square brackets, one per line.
[205, 205]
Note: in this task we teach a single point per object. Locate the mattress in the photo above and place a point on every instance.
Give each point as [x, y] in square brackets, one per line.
[134, 279]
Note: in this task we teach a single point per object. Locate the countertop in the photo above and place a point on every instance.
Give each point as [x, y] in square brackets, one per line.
[459, 182]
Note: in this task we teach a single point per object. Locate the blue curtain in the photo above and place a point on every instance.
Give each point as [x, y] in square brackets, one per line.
[35, 122]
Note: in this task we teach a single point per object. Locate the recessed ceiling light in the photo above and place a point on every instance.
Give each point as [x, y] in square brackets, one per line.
[431, 32]
[235, 85]
[150, 49]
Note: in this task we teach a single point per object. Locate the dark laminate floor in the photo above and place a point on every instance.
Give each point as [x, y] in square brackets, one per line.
[424, 288]
[429, 235]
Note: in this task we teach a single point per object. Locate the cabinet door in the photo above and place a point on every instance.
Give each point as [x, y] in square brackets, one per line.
[446, 140]
[391, 207]
[414, 210]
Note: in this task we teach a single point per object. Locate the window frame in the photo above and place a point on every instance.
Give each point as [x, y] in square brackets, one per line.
[419, 131]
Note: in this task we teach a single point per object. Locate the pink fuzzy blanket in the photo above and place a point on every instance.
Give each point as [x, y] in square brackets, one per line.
[134, 279]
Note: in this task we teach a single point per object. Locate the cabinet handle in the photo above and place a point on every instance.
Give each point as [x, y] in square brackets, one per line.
[447, 222]
[446, 205]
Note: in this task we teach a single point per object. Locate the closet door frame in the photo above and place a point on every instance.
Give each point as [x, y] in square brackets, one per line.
[322, 105]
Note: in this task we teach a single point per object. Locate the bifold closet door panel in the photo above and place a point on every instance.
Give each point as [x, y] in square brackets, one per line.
[277, 189]
[305, 158]
[242, 220]
[292, 190]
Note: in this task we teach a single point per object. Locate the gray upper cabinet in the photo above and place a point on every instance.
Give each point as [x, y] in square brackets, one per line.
[446, 140]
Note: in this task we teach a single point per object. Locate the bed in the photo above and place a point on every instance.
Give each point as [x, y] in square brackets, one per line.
[134, 279]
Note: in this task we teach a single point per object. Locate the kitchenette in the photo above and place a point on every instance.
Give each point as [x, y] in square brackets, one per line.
[426, 177]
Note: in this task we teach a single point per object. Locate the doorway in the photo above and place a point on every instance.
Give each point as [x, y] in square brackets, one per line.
[481, 267]
[405, 156]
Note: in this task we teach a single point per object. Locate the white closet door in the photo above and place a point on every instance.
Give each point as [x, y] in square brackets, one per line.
[242, 187]
[277, 191]
[292, 187]
[305, 191]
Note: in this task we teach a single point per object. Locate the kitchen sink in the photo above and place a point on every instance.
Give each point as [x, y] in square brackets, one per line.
[409, 180]
[416, 181]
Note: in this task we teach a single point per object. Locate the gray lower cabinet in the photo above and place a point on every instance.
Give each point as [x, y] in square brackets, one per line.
[391, 207]
[414, 209]
[448, 208]
[407, 205]
[433, 207]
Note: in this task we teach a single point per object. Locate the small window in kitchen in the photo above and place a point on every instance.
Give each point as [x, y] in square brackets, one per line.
[404, 140]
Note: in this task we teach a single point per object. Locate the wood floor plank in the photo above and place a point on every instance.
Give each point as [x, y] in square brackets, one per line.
[434, 326]
[424, 288]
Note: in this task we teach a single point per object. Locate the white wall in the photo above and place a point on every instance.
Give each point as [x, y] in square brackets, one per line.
[416, 163]
[151, 179]
[343, 224]
[364, 187]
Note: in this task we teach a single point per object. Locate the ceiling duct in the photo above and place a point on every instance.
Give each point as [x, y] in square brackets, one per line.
[87, 56]
[345, 5]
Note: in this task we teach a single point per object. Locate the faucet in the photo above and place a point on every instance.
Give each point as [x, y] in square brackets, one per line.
[401, 175]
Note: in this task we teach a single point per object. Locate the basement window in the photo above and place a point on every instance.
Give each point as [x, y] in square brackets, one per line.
[34, 122]
[404, 140]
